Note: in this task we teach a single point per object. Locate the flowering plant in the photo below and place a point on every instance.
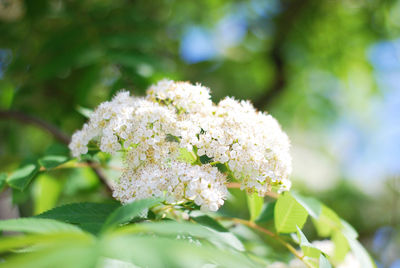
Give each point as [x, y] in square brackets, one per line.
[181, 154]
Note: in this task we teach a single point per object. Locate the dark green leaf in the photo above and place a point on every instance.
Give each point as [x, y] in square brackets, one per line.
[127, 212]
[88, 216]
[267, 212]
[23, 176]
[209, 222]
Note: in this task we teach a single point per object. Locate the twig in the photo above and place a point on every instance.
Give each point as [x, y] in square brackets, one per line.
[271, 234]
[53, 130]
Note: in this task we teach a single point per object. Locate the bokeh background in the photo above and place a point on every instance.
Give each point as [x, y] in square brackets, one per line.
[328, 70]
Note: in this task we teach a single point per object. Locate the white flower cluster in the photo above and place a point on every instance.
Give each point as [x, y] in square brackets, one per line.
[176, 118]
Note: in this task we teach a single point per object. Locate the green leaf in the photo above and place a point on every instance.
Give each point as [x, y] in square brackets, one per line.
[23, 176]
[308, 249]
[171, 228]
[255, 204]
[267, 212]
[14, 242]
[155, 251]
[361, 254]
[35, 225]
[86, 112]
[46, 190]
[289, 214]
[327, 222]
[186, 156]
[62, 255]
[3, 178]
[341, 246]
[209, 222]
[52, 161]
[312, 205]
[80, 212]
[127, 212]
[348, 230]
[323, 262]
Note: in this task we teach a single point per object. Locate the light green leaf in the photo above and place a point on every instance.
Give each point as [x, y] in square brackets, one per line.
[23, 176]
[14, 242]
[46, 190]
[267, 212]
[323, 262]
[86, 112]
[38, 226]
[52, 161]
[155, 251]
[186, 156]
[61, 255]
[171, 228]
[255, 204]
[327, 222]
[127, 212]
[359, 251]
[312, 205]
[308, 249]
[348, 230]
[341, 246]
[289, 214]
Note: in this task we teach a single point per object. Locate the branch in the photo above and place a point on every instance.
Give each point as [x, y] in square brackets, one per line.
[284, 23]
[55, 132]
[28, 119]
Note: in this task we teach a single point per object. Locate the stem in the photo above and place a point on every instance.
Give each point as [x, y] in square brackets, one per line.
[271, 234]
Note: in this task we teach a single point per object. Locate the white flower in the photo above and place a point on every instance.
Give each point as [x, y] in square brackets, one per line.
[178, 117]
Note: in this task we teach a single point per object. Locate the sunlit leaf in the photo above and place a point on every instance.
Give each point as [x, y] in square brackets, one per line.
[312, 205]
[289, 214]
[341, 246]
[327, 222]
[255, 204]
[308, 249]
[323, 262]
[46, 191]
[36, 225]
[360, 252]
[171, 228]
